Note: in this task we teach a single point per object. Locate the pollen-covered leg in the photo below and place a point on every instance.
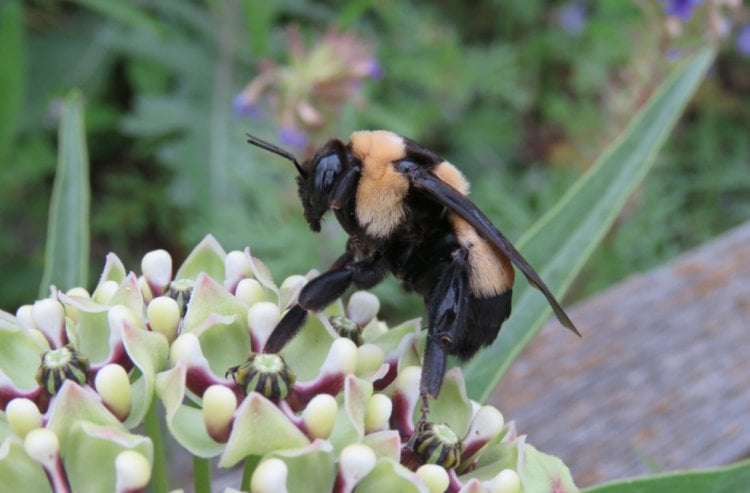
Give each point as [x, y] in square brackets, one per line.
[321, 292]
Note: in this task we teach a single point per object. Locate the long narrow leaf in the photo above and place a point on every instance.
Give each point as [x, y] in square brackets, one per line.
[729, 479]
[13, 55]
[560, 243]
[124, 12]
[67, 253]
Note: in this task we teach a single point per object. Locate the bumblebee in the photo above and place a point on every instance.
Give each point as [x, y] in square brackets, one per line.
[406, 212]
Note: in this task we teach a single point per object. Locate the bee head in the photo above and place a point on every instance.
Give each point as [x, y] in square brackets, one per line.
[316, 177]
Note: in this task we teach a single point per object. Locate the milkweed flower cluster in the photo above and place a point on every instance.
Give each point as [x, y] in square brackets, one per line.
[307, 94]
[336, 410]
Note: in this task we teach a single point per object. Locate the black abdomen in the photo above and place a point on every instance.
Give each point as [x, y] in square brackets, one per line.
[486, 316]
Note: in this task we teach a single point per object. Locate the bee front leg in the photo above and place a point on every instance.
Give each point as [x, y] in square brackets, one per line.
[321, 292]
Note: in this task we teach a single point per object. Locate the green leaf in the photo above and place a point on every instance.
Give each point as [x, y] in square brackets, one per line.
[729, 479]
[13, 74]
[259, 19]
[67, 253]
[124, 12]
[559, 244]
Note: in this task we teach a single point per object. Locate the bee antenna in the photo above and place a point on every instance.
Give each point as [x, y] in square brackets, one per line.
[251, 139]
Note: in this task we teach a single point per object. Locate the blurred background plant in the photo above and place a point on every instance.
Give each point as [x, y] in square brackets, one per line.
[522, 95]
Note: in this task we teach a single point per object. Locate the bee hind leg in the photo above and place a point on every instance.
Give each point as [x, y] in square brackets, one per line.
[447, 320]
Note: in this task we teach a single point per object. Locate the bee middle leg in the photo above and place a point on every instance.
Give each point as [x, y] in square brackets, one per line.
[321, 292]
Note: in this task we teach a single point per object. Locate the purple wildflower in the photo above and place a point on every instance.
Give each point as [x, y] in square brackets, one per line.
[674, 54]
[374, 69]
[291, 137]
[572, 17]
[742, 43]
[243, 106]
[682, 9]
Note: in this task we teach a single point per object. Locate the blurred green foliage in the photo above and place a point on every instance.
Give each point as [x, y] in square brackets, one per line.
[516, 93]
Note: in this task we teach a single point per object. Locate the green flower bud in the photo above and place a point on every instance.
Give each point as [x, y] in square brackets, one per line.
[269, 477]
[342, 358]
[70, 310]
[156, 266]
[262, 318]
[113, 386]
[163, 315]
[436, 443]
[369, 359]
[133, 471]
[236, 266]
[408, 379]
[61, 364]
[293, 283]
[219, 404]
[79, 292]
[320, 415]
[187, 348]
[43, 446]
[507, 481]
[362, 307]
[105, 292]
[378, 413]
[267, 374]
[289, 290]
[488, 422]
[121, 314]
[49, 317]
[355, 463]
[23, 416]
[249, 291]
[23, 315]
[435, 477]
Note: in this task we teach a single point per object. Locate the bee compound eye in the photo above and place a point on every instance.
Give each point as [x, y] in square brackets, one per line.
[327, 169]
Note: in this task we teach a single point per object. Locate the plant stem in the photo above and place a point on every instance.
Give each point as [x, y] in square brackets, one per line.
[160, 479]
[201, 475]
[247, 471]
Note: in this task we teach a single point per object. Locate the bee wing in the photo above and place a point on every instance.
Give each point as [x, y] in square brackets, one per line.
[460, 204]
